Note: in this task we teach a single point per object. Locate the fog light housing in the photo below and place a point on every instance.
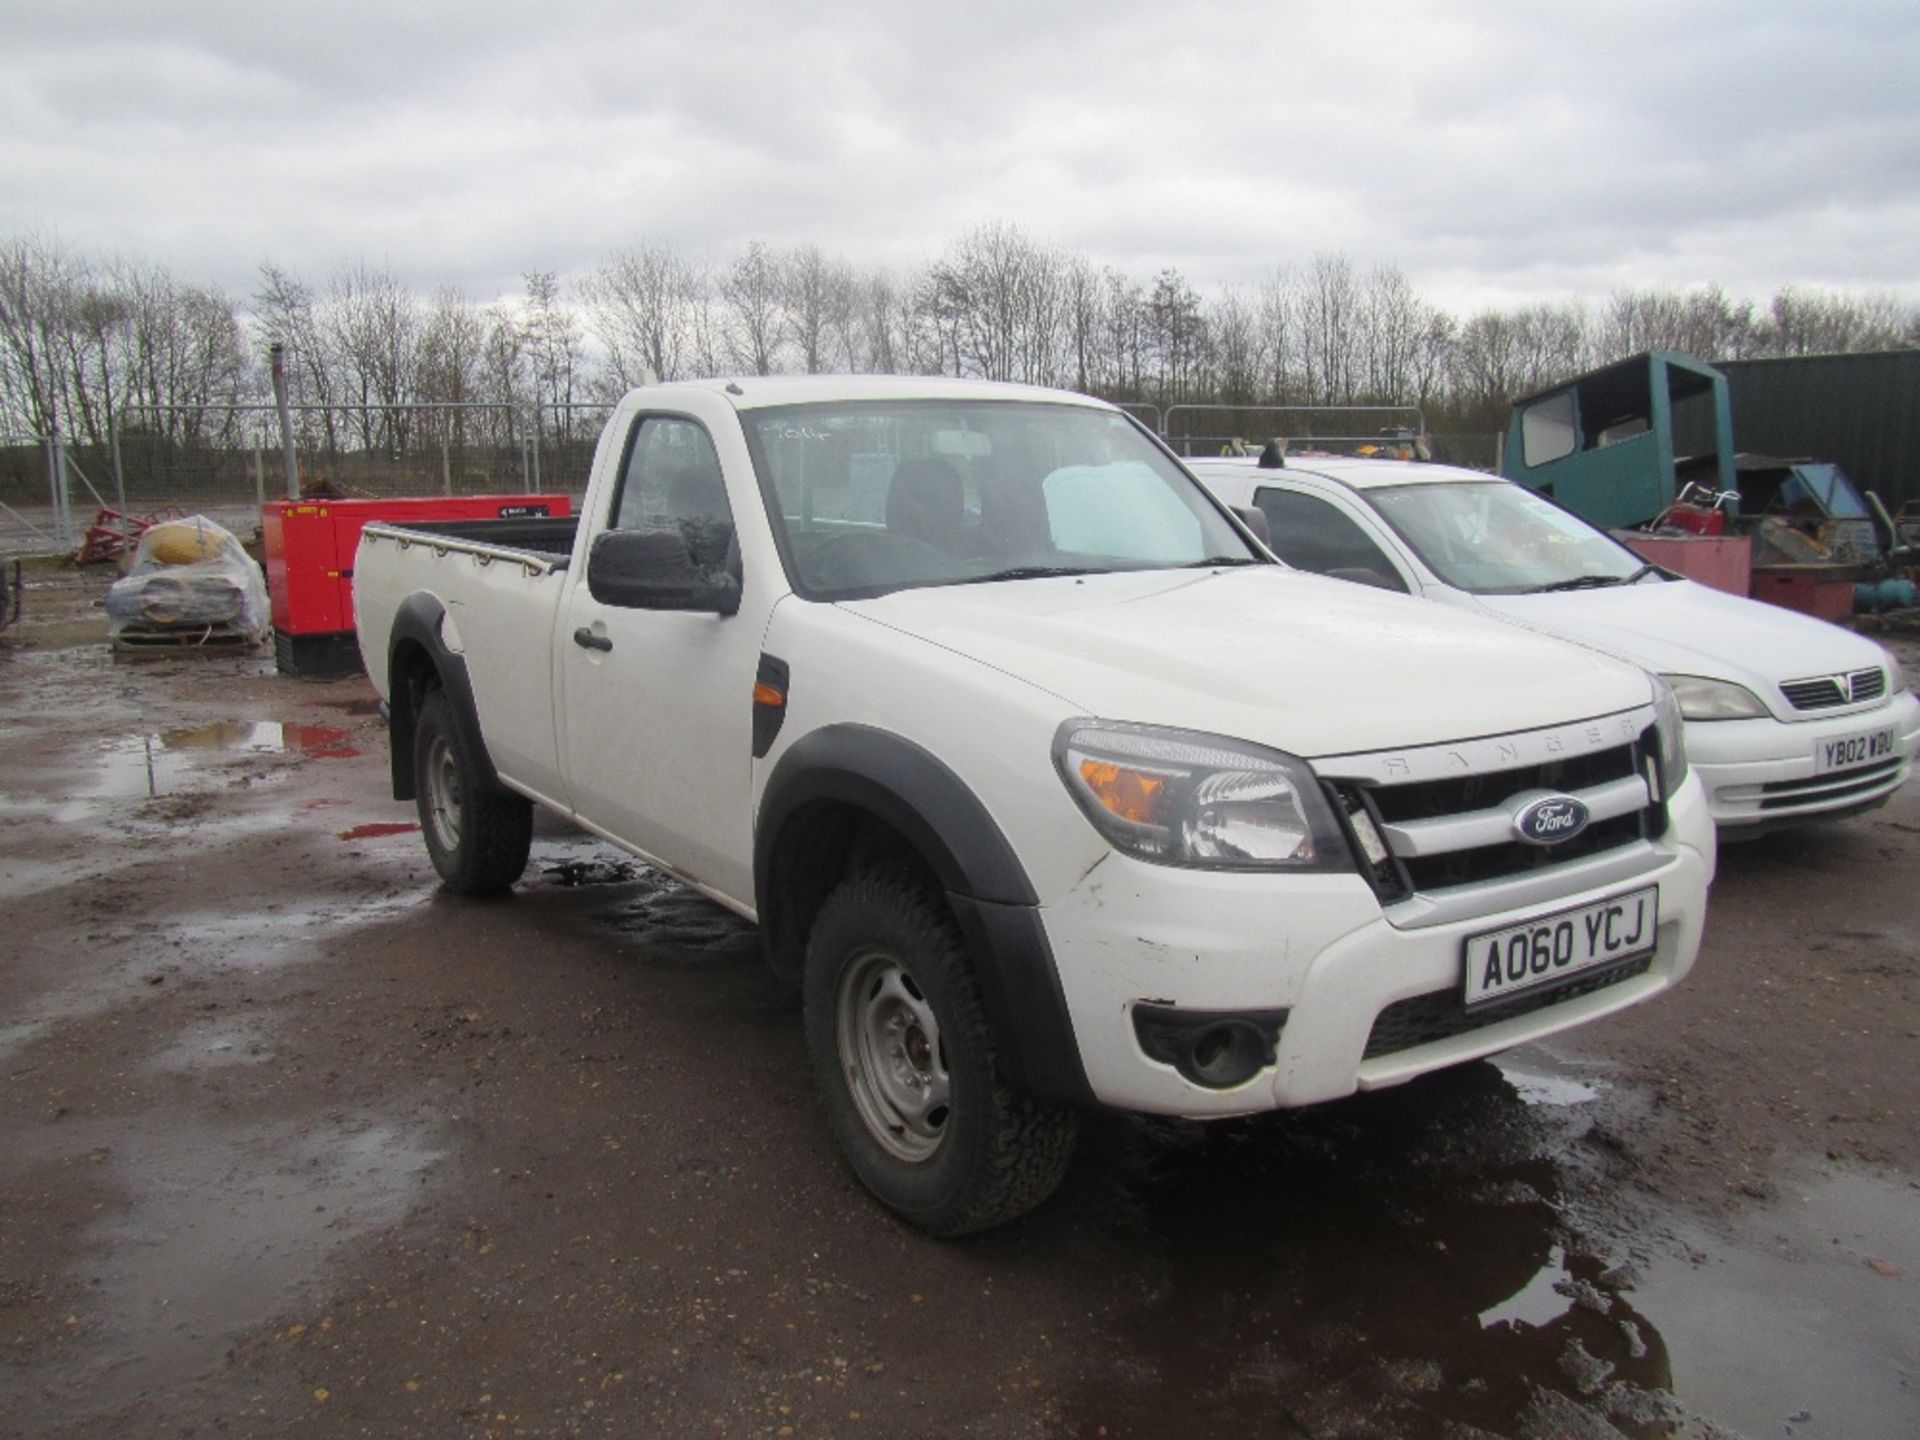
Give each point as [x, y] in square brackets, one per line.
[1216, 1049]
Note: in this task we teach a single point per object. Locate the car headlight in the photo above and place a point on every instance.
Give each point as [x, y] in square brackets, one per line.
[1704, 699]
[1177, 797]
[1896, 674]
[1671, 746]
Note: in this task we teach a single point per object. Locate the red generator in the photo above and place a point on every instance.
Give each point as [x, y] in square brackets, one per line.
[309, 547]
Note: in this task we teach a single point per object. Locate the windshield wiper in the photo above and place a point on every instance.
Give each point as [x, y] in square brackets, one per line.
[1216, 561]
[1029, 572]
[1593, 582]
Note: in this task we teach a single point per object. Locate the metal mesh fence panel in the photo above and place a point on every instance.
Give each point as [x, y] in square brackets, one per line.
[224, 461]
[28, 522]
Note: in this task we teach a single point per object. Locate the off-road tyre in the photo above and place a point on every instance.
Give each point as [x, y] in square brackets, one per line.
[996, 1153]
[477, 834]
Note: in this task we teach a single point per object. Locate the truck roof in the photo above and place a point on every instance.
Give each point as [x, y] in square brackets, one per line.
[754, 392]
[1359, 474]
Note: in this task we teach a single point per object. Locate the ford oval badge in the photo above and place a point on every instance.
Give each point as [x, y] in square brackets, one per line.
[1550, 819]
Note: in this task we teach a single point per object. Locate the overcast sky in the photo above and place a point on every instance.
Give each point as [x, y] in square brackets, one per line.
[1495, 151]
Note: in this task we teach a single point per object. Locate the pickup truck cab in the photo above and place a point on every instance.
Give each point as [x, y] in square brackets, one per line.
[1043, 781]
[1789, 719]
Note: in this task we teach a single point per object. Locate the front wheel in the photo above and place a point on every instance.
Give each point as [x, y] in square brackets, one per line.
[477, 835]
[907, 1066]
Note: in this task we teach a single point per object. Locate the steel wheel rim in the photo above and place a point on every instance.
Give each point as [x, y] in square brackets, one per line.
[892, 1058]
[443, 793]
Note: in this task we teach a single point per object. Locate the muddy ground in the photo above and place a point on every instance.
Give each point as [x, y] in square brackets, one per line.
[293, 1142]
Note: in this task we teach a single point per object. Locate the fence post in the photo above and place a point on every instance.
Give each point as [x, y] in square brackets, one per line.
[62, 501]
[119, 473]
[446, 467]
[279, 356]
[259, 476]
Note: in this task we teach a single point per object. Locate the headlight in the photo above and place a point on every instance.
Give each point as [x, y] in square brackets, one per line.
[1896, 674]
[1668, 723]
[1180, 798]
[1704, 699]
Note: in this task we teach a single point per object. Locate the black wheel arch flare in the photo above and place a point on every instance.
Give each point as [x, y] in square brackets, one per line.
[416, 632]
[918, 796]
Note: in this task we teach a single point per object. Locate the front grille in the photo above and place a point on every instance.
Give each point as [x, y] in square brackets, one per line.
[1826, 691]
[1459, 794]
[1404, 874]
[1839, 785]
[1494, 862]
[1440, 1015]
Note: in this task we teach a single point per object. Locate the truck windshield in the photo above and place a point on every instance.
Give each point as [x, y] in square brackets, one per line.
[873, 496]
[1498, 538]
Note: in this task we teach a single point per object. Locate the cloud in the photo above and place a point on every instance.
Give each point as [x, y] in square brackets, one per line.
[1489, 149]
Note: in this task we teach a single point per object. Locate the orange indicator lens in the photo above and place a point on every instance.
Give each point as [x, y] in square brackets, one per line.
[765, 694]
[1129, 794]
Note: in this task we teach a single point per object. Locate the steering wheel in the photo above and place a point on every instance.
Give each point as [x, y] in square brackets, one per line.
[856, 559]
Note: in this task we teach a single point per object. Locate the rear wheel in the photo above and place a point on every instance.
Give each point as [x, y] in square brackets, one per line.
[477, 834]
[907, 1065]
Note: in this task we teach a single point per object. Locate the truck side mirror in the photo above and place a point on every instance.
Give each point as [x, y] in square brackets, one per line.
[654, 570]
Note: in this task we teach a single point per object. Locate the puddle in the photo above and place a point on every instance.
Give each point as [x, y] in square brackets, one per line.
[1541, 1079]
[368, 706]
[1790, 1329]
[223, 1043]
[571, 873]
[680, 924]
[576, 859]
[379, 829]
[191, 945]
[225, 1229]
[1413, 1263]
[175, 762]
[262, 737]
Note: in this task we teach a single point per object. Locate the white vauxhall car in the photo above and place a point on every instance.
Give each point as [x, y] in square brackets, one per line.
[1788, 718]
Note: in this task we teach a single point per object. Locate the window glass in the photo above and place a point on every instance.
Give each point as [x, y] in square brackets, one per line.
[1315, 535]
[673, 482]
[880, 495]
[1500, 538]
[1546, 429]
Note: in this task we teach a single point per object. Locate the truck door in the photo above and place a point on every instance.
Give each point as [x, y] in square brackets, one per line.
[658, 703]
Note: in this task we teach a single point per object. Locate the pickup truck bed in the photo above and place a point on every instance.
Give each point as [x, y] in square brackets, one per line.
[551, 539]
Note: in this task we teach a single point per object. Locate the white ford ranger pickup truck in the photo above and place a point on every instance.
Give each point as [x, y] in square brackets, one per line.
[1044, 783]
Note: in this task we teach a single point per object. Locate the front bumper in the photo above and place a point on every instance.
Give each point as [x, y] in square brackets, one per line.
[1762, 772]
[1320, 948]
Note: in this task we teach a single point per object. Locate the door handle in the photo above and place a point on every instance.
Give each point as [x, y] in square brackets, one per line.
[587, 640]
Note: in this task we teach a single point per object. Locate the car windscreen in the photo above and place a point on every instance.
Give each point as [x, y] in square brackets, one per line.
[872, 496]
[1497, 538]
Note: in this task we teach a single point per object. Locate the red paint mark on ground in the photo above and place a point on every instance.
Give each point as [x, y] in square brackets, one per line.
[371, 832]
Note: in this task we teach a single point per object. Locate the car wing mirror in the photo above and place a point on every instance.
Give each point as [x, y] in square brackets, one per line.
[1255, 519]
[655, 570]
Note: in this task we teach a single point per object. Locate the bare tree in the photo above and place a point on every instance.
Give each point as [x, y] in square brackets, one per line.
[1277, 337]
[751, 291]
[1177, 336]
[639, 303]
[1801, 321]
[36, 283]
[817, 297]
[553, 352]
[1328, 307]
